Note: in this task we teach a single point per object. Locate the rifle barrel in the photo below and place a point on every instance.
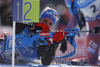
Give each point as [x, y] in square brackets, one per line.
[78, 31]
[90, 31]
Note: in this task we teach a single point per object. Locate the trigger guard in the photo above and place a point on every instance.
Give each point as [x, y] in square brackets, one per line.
[42, 41]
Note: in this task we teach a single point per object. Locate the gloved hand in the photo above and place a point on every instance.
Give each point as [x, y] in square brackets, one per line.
[58, 36]
[45, 28]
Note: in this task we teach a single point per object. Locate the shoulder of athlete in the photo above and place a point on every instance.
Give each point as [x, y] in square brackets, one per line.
[68, 3]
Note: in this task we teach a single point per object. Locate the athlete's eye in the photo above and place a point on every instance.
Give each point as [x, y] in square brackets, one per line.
[50, 23]
[45, 20]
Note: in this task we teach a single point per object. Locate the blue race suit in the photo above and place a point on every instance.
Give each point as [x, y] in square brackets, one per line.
[91, 12]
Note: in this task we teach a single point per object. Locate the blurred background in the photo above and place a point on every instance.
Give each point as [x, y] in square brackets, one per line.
[5, 19]
[6, 10]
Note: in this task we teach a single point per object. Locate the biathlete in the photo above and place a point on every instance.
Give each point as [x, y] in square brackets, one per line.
[91, 13]
[47, 20]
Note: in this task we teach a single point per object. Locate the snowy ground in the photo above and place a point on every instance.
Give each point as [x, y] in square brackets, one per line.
[37, 63]
[40, 65]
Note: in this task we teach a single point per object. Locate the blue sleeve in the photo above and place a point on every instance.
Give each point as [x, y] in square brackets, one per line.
[73, 10]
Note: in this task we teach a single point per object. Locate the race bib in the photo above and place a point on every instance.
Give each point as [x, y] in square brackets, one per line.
[90, 9]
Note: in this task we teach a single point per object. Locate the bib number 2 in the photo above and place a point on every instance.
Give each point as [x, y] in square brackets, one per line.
[94, 8]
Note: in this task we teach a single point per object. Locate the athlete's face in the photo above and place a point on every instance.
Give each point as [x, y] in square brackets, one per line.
[47, 21]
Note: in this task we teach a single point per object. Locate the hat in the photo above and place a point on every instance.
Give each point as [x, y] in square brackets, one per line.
[50, 13]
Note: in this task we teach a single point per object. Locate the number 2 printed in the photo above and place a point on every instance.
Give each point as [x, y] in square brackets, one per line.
[27, 11]
[94, 8]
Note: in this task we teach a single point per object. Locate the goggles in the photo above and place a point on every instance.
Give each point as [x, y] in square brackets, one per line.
[53, 12]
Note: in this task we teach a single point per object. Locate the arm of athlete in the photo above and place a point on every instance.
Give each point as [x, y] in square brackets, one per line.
[73, 14]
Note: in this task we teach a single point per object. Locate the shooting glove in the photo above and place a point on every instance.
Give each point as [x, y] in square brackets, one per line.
[58, 36]
[45, 28]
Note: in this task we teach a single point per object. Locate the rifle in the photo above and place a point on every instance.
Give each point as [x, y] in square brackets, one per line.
[29, 38]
